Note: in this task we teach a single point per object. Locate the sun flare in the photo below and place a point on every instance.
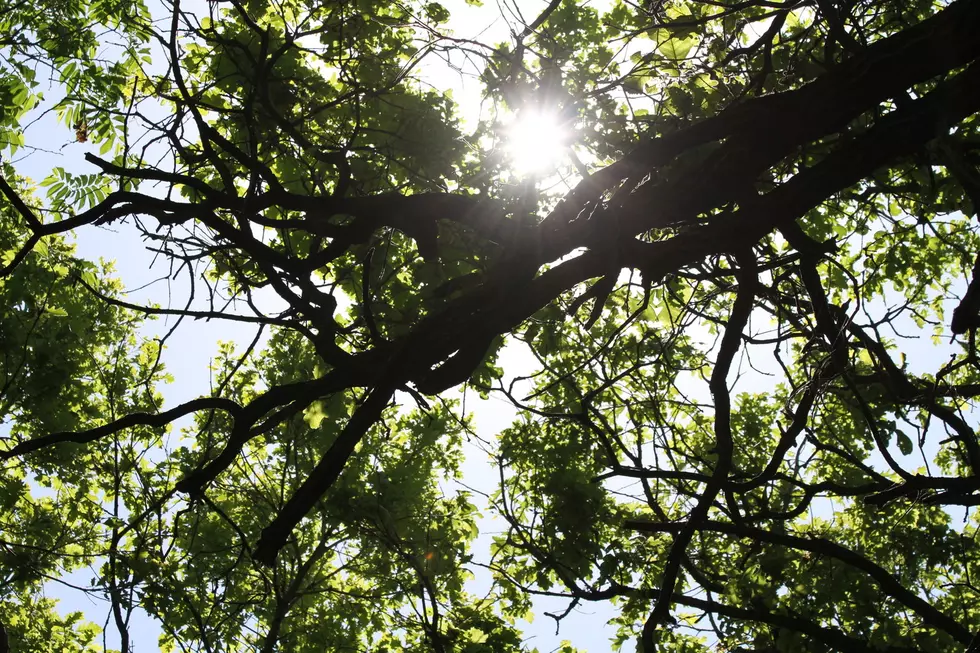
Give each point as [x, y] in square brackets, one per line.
[535, 141]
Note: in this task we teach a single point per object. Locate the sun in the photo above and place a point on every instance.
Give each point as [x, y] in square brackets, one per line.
[535, 141]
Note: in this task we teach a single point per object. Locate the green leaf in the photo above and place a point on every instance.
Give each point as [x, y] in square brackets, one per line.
[676, 49]
[904, 442]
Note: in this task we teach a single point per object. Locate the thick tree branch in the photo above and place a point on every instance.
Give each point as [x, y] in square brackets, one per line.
[156, 420]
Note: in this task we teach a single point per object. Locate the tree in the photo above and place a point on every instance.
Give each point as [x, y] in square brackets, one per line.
[731, 437]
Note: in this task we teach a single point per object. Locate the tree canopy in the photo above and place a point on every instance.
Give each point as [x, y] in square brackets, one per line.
[747, 286]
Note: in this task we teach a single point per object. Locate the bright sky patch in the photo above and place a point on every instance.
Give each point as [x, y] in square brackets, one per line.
[535, 141]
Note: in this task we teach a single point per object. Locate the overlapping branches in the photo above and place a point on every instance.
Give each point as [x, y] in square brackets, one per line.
[703, 201]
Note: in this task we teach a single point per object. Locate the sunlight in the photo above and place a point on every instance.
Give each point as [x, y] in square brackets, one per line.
[535, 141]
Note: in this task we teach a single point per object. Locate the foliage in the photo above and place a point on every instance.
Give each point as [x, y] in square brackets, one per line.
[730, 438]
